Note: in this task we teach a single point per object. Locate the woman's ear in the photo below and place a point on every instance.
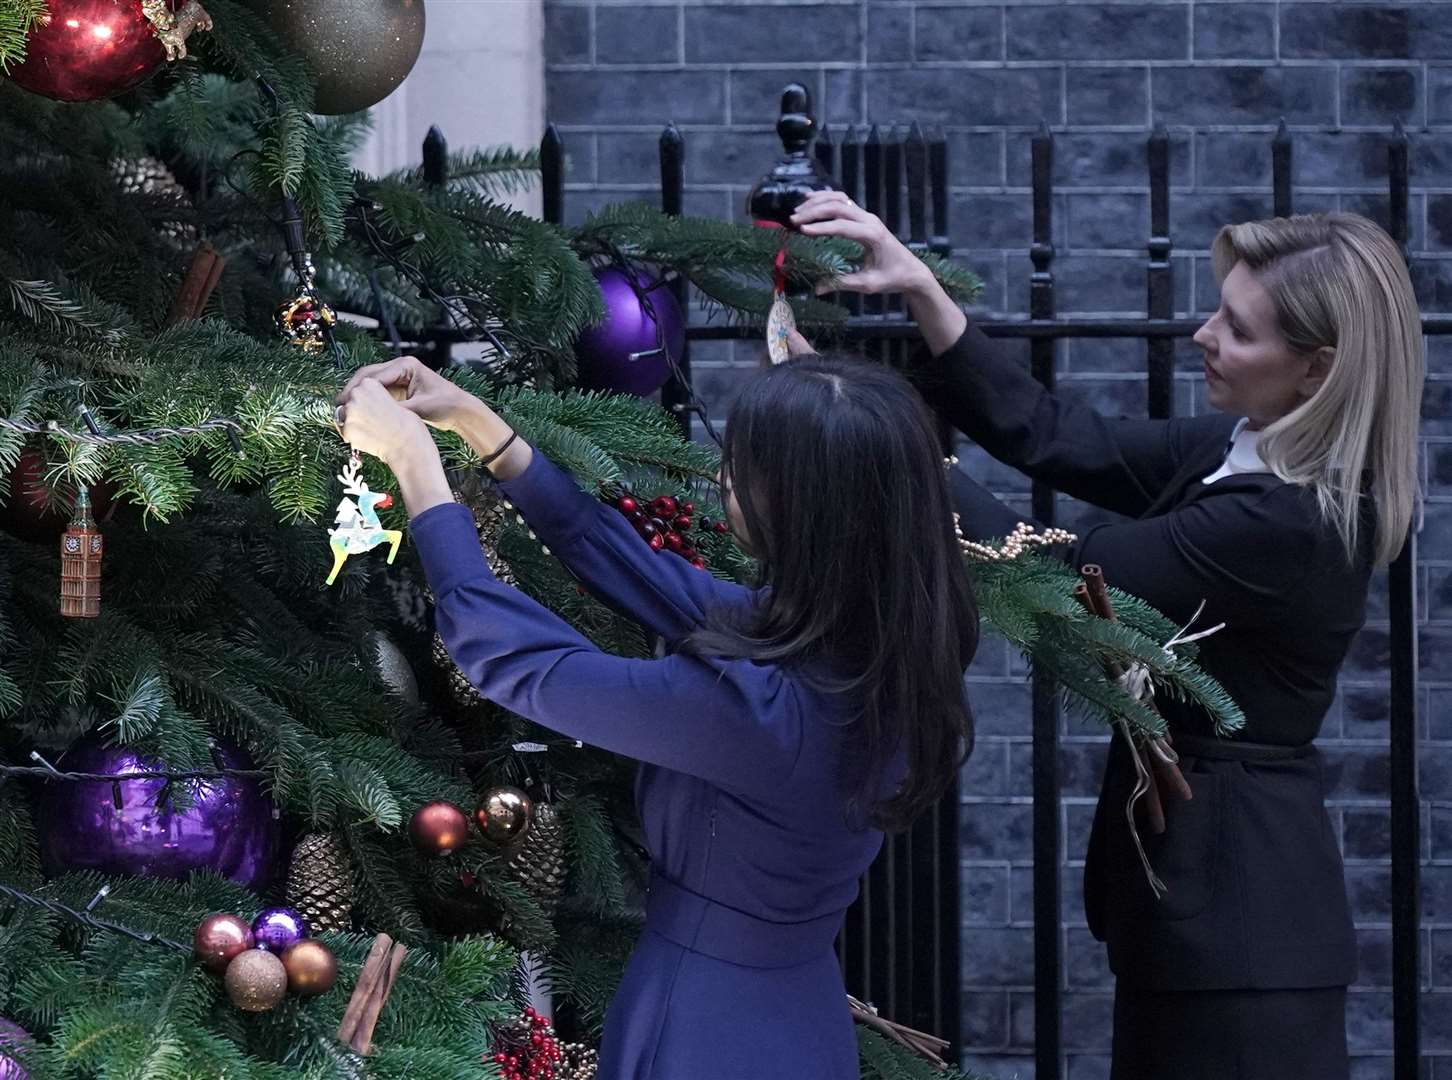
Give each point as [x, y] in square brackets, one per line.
[1317, 370]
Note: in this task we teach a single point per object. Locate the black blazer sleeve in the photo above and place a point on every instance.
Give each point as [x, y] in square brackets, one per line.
[1244, 549]
[1117, 464]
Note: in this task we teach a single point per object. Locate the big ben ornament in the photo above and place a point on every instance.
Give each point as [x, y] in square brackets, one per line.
[81, 563]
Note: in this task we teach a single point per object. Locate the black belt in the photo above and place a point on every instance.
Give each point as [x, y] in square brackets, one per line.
[1216, 749]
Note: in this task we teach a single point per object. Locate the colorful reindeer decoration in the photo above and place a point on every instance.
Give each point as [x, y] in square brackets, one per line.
[358, 526]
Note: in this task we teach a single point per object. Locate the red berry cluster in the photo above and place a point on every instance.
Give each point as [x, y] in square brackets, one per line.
[528, 1049]
[663, 523]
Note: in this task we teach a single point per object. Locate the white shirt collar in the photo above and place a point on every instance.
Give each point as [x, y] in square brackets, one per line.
[1241, 453]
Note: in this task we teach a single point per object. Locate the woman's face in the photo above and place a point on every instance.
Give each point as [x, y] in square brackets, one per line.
[1250, 369]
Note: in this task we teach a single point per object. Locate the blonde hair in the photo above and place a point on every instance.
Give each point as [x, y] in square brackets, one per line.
[1339, 280]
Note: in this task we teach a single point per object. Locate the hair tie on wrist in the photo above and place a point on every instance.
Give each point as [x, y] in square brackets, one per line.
[486, 462]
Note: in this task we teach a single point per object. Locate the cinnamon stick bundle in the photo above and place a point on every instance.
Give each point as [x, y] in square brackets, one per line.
[196, 288]
[370, 994]
[1163, 759]
[921, 1043]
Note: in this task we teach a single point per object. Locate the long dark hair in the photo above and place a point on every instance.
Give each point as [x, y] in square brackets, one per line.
[838, 472]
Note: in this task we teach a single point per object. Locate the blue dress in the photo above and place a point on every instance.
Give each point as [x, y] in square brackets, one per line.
[735, 976]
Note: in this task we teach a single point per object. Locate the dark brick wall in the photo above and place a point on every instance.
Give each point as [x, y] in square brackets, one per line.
[1219, 76]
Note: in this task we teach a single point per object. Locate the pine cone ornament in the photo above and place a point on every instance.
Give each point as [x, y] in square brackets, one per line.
[320, 882]
[490, 515]
[460, 688]
[538, 861]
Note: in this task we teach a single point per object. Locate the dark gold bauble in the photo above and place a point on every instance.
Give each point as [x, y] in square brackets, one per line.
[219, 938]
[504, 815]
[256, 980]
[360, 50]
[438, 828]
[311, 968]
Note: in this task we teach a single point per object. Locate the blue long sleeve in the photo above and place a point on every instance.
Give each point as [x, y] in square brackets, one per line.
[735, 723]
[662, 592]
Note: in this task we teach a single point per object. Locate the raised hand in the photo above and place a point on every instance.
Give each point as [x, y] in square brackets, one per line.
[888, 266]
[420, 390]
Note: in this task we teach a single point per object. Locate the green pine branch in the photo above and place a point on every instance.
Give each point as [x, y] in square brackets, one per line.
[16, 19]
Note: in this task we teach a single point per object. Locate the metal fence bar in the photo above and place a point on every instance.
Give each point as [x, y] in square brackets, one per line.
[1281, 174]
[1046, 839]
[941, 244]
[676, 393]
[552, 175]
[1406, 840]
[1161, 279]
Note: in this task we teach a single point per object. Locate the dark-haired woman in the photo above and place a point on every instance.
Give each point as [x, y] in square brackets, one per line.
[786, 728]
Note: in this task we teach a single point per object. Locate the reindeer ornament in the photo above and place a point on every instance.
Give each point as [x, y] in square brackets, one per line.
[358, 526]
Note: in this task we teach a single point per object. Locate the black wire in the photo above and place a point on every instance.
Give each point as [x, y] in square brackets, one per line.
[455, 306]
[85, 918]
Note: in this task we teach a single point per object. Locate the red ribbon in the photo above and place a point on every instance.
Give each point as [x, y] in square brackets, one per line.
[778, 277]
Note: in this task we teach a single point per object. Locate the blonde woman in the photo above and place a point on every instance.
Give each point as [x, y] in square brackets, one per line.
[1271, 512]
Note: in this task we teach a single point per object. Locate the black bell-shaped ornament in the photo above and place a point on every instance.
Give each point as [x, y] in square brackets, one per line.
[797, 174]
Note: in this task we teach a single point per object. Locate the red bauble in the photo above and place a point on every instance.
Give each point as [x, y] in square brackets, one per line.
[656, 543]
[85, 50]
[699, 563]
[682, 522]
[674, 541]
[439, 828]
[663, 506]
[627, 505]
[28, 512]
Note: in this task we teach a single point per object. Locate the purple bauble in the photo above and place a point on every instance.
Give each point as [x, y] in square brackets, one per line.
[604, 350]
[228, 827]
[278, 928]
[14, 1039]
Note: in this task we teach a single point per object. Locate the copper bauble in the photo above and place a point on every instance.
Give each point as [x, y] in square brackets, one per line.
[504, 815]
[219, 938]
[256, 980]
[360, 50]
[84, 50]
[438, 828]
[311, 968]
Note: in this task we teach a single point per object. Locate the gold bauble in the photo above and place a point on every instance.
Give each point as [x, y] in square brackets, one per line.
[504, 815]
[311, 967]
[360, 50]
[256, 980]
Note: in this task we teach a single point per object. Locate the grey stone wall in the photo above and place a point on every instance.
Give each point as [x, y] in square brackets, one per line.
[1219, 76]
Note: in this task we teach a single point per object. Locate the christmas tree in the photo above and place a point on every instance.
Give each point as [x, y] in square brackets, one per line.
[205, 747]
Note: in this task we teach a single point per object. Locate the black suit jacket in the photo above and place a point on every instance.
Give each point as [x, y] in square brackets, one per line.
[1257, 895]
